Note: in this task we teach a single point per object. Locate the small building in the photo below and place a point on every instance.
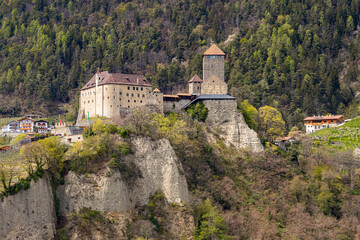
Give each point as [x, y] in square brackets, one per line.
[317, 123]
[282, 141]
[26, 125]
[12, 126]
[42, 127]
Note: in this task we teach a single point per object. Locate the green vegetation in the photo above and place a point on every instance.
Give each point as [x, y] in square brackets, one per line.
[344, 137]
[198, 111]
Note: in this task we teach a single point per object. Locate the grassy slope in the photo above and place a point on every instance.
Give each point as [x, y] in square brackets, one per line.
[343, 137]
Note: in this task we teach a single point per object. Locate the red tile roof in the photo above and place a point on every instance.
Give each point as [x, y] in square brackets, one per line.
[118, 78]
[195, 78]
[334, 117]
[156, 90]
[214, 50]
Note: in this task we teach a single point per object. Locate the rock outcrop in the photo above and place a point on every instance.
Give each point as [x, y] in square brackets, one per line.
[109, 191]
[224, 117]
[29, 214]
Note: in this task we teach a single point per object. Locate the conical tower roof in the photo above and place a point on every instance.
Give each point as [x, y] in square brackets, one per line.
[214, 50]
[156, 90]
[195, 78]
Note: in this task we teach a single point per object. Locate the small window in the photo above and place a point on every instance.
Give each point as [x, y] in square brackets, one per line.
[133, 88]
[127, 94]
[140, 101]
[209, 56]
[138, 95]
[114, 89]
[214, 56]
[144, 95]
[211, 66]
[108, 97]
[89, 101]
[137, 89]
[110, 105]
[128, 88]
[134, 100]
[120, 93]
[132, 94]
[114, 97]
[141, 89]
[92, 100]
[219, 56]
[128, 100]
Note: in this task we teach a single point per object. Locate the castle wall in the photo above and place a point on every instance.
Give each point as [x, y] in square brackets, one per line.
[110, 99]
[214, 85]
[175, 106]
[213, 65]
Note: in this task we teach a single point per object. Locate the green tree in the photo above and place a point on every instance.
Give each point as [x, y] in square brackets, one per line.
[271, 123]
[212, 224]
[250, 114]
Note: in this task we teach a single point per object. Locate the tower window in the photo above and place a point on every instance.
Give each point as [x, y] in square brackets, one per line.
[144, 95]
[209, 56]
[133, 88]
[128, 100]
[132, 94]
[127, 94]
[212, 66]
[128, 88]
[219, 56]
[114, 97]
[120, 93]
[138, 95]
[110, 105]
[134, 100]
[141, 89]
[214, 56]
[140, 101]
[137, 89]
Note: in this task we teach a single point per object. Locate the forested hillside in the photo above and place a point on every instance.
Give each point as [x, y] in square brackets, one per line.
[300, 57]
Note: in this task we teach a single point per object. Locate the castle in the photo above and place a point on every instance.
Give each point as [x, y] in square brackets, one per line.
[110, 94]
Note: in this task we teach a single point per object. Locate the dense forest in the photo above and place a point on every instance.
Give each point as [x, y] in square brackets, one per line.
[300, 57]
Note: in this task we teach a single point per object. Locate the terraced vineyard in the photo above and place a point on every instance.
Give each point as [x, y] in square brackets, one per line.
[343, 137]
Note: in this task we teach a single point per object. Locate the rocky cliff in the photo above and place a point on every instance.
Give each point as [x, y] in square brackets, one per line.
[29, 214]
[108, 191]
[231, 126]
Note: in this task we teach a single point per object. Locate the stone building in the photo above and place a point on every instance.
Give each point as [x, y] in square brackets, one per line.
[110, 94]
[214, 71]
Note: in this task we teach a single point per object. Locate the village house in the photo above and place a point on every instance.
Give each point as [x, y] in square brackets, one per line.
[317, 123]
[12, 126]
[42, 127]
[26, 125]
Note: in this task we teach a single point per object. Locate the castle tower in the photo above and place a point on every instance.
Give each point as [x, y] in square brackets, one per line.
[195, 85]
[214, 71]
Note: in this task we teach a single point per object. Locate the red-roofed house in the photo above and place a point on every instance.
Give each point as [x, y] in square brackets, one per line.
[316, 123]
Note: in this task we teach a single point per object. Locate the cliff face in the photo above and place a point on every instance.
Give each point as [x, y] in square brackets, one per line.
[224, 117]
[160, 170]
[29, 214]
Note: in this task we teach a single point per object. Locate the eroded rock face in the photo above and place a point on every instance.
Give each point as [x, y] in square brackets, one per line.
[29, 214]
[160, 170]
[224, 116]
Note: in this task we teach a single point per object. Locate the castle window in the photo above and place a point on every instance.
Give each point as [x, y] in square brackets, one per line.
[214, 56]
[133, 88]
[114, 97]
[209, 56]
[108, 97]
[134, 100]
[141, 89]
[128, 88]
[144, 95]
[138, 95]
[219, 56]
[120, 93]
[128, 100]
[137, 89]
[140, 101]
[132, 94]
[211, 66]
[128, 106]
[198, 88]
[127, 94]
